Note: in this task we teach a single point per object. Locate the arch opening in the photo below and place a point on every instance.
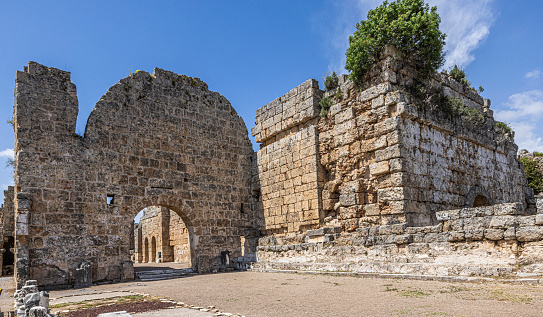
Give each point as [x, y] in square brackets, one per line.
[166, 238]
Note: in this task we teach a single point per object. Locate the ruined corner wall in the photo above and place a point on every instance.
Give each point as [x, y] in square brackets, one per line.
[385, 157]
[158, 139]
[287, 163]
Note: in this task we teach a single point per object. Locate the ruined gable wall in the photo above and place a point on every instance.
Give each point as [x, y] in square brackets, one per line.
[162, 140]
[288, 168]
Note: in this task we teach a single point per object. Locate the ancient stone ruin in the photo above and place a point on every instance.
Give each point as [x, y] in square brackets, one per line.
[385, 182]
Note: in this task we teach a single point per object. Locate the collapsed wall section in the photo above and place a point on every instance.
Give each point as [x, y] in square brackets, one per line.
[288, 169]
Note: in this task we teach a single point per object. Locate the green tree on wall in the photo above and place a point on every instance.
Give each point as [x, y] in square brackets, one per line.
[410, 25]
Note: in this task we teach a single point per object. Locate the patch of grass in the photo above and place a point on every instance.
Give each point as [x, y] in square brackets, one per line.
[503, 296]
[338, 95]
[335, 284]
[413, 293]
[453, 289]
[538, 154]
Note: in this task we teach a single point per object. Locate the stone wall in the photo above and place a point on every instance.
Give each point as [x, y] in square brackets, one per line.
[288, 170]
[152, 140]
[488, 241]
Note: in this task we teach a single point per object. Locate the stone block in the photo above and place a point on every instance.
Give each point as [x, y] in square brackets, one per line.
[350, 199]
[539, 219]
[379, 168]
[503, 222]
[403, 239]
[388, 153]
[372, 210]
[494, 234]
[455, 236]
[527, 234]
[474, 235]
[510, 234]
[391, 194]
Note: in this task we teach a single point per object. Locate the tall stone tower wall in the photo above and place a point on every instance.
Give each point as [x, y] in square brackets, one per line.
[288, 167]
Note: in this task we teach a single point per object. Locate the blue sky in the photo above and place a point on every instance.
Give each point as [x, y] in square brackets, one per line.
[254, 51]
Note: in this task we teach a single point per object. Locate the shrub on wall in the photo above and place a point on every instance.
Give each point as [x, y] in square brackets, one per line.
[533, 173]
[410, 25]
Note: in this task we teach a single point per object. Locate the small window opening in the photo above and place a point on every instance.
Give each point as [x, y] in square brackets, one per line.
[241, 208]
[110, 199]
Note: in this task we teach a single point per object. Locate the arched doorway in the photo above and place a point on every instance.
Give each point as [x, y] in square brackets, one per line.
[165, 236]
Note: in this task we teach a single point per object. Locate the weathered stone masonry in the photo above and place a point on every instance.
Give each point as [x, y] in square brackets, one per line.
[151, 140]
[383, 183]
[388, 167]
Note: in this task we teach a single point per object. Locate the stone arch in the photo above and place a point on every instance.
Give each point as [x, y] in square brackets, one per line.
[151, 140]
[477, 196]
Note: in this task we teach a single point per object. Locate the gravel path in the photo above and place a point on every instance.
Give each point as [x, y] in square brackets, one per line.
[277, 294]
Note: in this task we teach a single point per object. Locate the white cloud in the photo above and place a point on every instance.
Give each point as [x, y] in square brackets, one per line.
[524, 112]
[534, 74]
[7, 153]
[466, 22]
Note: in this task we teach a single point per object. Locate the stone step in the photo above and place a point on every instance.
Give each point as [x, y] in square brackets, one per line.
[156, 275]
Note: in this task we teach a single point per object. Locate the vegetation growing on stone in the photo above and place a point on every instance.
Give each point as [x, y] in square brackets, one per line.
[502, 127]
[533, 173]
[473, 116]
[459, 75]
[331, 81]
[338, 95]
[410, 25]
[325, 104]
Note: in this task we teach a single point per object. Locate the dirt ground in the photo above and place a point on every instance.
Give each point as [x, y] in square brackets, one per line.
[278, 294]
